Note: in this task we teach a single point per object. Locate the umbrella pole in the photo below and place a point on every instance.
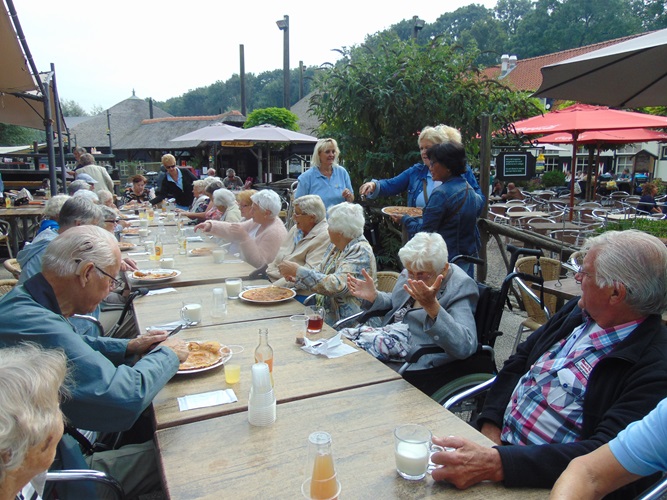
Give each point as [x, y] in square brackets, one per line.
[573, 169]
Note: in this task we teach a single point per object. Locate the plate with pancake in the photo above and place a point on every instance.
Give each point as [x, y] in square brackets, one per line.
[154, 275]
[200, 252]
[409, 211]
[126, 245]
[204, 356]
[267, 294]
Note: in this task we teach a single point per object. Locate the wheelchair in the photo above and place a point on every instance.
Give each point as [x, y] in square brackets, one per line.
[443, 382]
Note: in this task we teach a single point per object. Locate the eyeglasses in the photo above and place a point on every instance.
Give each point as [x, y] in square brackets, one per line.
[113, 281]
[170, 166]
[111, 221]
[420, 275]
[577, 263]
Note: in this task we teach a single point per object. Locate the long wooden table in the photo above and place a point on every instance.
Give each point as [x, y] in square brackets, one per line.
[195, 270]
[162, 309]
[226, 457]
[297, 374]
[24, 213]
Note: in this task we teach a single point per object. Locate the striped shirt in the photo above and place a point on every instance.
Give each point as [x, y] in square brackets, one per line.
[547, 404]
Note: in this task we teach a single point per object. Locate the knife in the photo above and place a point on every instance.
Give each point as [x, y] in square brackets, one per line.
[175, 330]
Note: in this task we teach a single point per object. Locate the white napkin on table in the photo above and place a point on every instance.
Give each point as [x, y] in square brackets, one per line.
[331, 348]
[160, 291]
[193, 239]
[206, 399]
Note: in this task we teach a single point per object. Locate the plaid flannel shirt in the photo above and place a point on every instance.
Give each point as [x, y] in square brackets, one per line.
[547, 404]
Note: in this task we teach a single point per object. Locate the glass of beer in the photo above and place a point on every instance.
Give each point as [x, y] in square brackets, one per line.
[315, 316]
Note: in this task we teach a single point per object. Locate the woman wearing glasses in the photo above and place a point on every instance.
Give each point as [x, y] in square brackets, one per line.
[177, 184]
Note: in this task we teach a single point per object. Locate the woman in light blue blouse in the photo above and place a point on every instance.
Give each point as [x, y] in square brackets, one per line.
[325, 177]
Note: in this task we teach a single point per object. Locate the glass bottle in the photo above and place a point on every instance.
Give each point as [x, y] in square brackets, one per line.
[322, 482]
[158, 248]
[263, 351]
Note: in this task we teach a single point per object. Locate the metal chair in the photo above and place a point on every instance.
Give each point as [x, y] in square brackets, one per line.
[13, 266]
[110, 485]
[4, 237]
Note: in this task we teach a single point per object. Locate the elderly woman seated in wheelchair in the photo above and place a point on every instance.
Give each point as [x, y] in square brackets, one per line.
[433, 302]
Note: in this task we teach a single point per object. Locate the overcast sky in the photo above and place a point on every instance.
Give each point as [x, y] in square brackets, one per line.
[102, 50]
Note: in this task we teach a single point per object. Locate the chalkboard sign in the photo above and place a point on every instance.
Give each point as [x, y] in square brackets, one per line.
[515, 165]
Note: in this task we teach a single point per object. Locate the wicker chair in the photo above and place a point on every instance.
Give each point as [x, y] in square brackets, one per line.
[387, 280]
[7, 285]
[4, 236]
[13, 266]
[537, 316]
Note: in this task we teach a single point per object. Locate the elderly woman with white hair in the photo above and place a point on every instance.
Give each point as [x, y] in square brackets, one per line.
[348, 254]
[306, 241]
[259, 238]
[52, 212]
[325, 177]
[31, 423]
[433, 302]
[225, 203]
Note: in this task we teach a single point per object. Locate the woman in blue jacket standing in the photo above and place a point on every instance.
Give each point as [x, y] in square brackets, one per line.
[417, 179]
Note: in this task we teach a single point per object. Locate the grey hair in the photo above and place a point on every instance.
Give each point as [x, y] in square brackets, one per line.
[311, 204]
[212, 179]
[79, 210]
[53, 206]
[79, 150]
[347, 219]
[80, 244]
[320, 146]
[30, 388]
[108, 213]
[213, 186]
[267, 200]
[88, 195]
[103, 195]
[77, 185]
[230, 171]
[425, 252]
[87, 159]
[440, 134]
[224, 198]
[200, 184]
[638, 261]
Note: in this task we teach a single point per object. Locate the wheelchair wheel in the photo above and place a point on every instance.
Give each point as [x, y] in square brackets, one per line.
[469, 409]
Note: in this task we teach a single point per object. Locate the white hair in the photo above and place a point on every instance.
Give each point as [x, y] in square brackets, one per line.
[224, 198]
[53, 206]
[638, 261]
[79, 210]
[267, 200]
[347, 219]
[30, 381]
[311, 204]
[425, 252]
[79, 244]
[103, 195]
[88, 195]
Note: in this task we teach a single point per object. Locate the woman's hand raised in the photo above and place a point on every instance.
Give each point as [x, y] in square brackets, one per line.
[362, 288]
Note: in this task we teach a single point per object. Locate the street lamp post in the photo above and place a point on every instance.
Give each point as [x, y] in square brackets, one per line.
[417, 26]
[283, 25]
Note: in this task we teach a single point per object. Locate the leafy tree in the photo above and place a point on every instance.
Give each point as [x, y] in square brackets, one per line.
[510, 13]
[280, 117]
[377, 99]
[13, 135]
[72, 108]
[555, 25]
[651, 13]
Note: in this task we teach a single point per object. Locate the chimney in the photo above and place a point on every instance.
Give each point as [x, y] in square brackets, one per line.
[150, 108]
[512, 64]
[504, 59]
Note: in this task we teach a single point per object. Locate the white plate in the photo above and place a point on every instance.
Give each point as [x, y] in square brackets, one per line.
[155, 280]
[223, 360]
[386, 211]
[125, 249]
[266, 301]
[193, 253]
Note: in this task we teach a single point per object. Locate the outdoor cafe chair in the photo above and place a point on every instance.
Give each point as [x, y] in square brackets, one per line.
[90, 482]
[4, 237]
[13, 266]
[497, 214]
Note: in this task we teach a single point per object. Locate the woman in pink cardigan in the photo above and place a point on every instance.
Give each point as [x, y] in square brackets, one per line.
[260, 237]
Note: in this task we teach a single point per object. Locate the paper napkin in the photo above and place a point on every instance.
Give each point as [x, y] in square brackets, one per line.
[205, 399]
[331, 348]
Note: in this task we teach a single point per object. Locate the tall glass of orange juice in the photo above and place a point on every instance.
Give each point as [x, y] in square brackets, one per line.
[321, 481]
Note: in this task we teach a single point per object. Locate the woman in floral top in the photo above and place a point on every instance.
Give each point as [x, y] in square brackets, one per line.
[348, 253]
[137, 192]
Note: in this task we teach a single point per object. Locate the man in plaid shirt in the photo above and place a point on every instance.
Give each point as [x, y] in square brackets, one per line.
[599, 364]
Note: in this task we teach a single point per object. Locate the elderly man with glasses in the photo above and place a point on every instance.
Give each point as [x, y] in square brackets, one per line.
[113, 380]
[596, 366]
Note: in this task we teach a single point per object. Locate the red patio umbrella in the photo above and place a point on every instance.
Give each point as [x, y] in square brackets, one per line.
[621, 136]
[580, 118]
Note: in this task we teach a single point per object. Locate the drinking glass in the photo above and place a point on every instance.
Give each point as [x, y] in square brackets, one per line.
[232, 373]
[234, 287]
[413, 449]
[219, 303]
[315, 316]
[191, 312]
